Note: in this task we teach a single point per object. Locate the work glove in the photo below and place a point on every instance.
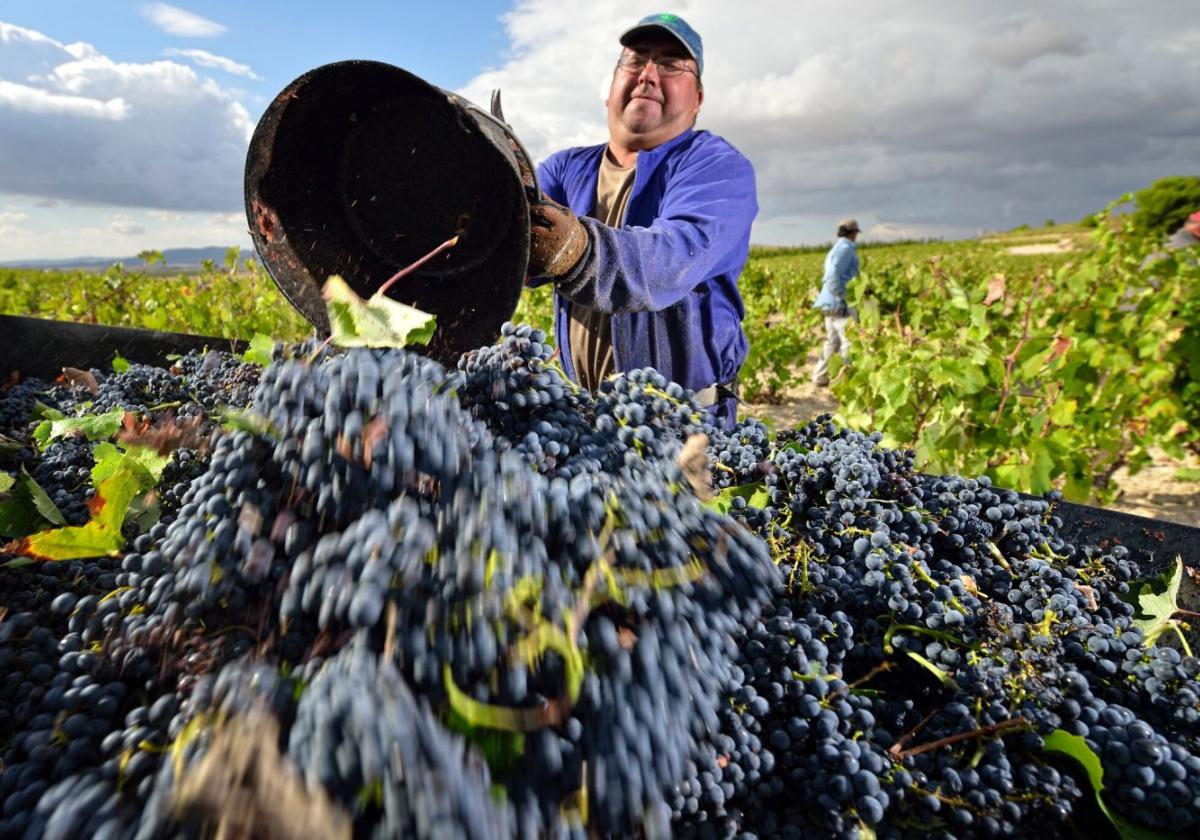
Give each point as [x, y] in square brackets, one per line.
[557, 239]
[841, 310]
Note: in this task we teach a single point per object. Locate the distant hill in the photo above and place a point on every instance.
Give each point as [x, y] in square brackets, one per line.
[177, 259]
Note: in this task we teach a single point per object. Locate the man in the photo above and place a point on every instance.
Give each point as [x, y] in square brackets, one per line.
[1183, 239]
[1188, 236]
[644, 236]
[841, 266]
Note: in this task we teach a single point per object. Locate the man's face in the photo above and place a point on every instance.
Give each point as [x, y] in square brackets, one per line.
[646, 108]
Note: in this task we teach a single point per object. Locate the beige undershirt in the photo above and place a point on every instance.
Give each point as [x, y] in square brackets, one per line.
[590, 330]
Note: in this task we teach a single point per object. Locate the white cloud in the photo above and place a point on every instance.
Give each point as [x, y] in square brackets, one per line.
[11, 220]
[928, 117]
[176, 21]
[203, 58]
[70, 230]
[126, 225]
[79, 126]
[31, 100]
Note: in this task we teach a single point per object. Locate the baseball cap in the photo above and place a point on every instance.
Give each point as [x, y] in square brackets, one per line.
[674, 25]
[848, 224]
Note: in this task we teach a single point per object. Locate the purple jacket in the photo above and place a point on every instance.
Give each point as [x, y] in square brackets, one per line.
[669, 276]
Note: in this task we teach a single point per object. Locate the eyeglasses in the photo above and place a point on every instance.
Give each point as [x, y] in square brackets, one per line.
[632, 62]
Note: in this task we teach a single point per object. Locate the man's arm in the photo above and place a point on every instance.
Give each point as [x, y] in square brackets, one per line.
[706, 213]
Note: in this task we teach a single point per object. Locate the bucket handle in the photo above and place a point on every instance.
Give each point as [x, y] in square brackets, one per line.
[496, 117]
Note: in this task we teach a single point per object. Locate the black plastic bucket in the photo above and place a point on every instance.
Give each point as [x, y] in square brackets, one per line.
[359, 168]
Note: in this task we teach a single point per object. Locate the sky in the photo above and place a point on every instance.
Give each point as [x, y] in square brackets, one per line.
[125, 125]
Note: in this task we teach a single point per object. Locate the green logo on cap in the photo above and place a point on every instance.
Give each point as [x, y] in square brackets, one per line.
[668, 18]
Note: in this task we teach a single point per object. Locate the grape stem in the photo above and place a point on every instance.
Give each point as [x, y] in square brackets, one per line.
[897, 747]
[1010, 360]
[449, 243]
[982, 732]
[882, 667]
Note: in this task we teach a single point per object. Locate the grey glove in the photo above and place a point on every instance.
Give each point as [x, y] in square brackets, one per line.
[841, 310]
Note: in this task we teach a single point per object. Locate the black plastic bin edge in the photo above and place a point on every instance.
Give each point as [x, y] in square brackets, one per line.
[40, 347]
[1154, 543]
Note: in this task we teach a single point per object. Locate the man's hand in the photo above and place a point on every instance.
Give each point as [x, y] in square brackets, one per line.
[841, 310]
[557, 239]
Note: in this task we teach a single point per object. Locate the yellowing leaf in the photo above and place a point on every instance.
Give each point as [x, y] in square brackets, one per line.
[100, 537]
[1062, 413]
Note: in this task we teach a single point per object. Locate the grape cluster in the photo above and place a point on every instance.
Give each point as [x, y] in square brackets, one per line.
[741, 455]
[514, 388]
[65, 472]
[18, 402]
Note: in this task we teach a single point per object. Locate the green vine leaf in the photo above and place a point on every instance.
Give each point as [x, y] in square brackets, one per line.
[756, 495]
[9, 446]
[378, 321]
[41, 411]
[120, 364]
[111, 459]
[1156, 601]
[93, 427]
[1074, 747]
[502, 750]
[260, 350]
[27, 509]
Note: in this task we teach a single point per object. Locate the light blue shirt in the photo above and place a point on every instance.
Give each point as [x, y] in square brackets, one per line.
[841, 266]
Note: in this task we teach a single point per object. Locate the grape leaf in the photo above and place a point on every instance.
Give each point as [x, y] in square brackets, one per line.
[755, 494]
[45, 506]
[27, 509]
[376, 322]
[120, 364]
[8, 446]
[42, 411]
[260, 350]
[246, 420]
[946, 679]
[6, 482]
[1074, 747]
[501, 749]
[1156, 600]
[110, 459]
[100, 537]
[93, 427]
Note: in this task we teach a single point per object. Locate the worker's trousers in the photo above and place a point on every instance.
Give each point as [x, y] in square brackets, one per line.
[835, 342]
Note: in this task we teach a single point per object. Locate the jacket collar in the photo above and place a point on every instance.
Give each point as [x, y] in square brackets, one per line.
[650, 158]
